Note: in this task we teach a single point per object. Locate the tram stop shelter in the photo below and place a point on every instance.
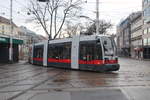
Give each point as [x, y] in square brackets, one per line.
[4, 49]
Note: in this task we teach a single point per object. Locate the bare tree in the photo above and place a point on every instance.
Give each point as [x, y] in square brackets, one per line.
[71, 29]
[103, 27]
[47, 14]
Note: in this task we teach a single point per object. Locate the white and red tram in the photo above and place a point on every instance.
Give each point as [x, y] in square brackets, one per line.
[95, 53]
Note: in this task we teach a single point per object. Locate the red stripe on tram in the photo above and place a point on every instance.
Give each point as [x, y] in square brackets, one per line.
[95, 62]
[111, 61]
[98, 62]
[59, 60]
[38, 59]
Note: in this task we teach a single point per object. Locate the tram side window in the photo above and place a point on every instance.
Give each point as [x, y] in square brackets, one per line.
[98, 52]
[60, 51]
[90, 51]
[52, 53]
[38, 53]
[66, 51]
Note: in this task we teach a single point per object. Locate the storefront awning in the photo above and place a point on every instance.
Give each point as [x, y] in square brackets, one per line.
[7, 40]
[4, 40]
[16, 41]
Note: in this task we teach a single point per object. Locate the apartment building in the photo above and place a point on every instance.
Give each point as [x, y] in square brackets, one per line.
[146, 28]
[136, 35]
[123, 37]
[5, 27]
[5, 33]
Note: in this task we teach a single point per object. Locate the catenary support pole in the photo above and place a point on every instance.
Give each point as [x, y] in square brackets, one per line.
[11, 33]
[97, 16]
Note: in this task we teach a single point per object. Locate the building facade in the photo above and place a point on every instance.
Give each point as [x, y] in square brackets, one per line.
[146, 28]
[136, 35]
[29, 38]
[5, 34]
[5, 27]
[123, 37]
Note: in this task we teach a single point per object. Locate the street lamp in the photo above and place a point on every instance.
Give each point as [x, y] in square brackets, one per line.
[86, 17]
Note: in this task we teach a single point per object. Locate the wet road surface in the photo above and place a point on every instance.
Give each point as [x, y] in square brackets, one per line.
[23, 81]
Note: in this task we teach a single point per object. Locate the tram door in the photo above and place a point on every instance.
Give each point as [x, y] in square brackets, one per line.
[38, 55]
[59, 55]
[90, 55]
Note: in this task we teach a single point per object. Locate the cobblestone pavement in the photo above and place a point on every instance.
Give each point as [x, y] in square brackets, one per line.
[28, 82]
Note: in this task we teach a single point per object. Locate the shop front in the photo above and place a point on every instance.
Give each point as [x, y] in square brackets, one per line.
[138, 52]
[5, 49]
[146, 52]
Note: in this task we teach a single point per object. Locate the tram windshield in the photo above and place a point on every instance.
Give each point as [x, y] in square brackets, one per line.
[108, 45]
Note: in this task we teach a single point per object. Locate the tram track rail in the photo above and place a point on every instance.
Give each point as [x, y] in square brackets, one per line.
[34, 75]
[36, 85]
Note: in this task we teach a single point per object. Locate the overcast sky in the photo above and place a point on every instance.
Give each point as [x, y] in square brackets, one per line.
[110, 10]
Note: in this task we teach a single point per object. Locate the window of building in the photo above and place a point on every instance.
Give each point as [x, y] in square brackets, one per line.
[145, 2]
[146, 12]
[149, 30]
[145, 31]
[148, 41]
[145, 42]
[145, 21]
[2, 29]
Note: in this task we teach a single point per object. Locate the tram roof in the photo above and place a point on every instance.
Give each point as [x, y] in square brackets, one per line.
[82, 38]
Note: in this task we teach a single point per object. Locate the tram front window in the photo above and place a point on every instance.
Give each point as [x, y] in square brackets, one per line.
[108, 46]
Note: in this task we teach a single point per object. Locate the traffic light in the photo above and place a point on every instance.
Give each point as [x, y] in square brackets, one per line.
[43, 0]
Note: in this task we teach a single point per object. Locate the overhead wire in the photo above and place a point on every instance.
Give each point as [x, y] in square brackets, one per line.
[8, 9]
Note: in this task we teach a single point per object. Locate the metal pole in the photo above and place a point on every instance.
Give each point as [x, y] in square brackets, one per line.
[97, 16]
[11, 34]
